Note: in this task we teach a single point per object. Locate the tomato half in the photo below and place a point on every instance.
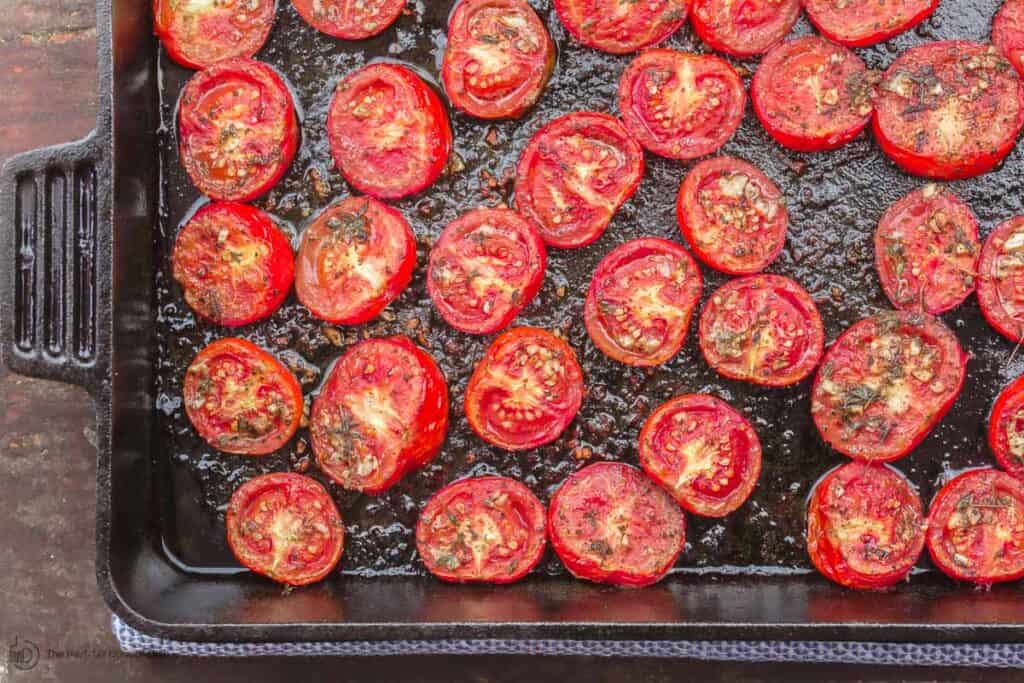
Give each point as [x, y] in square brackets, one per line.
[743, 29]
[763, 329]
[389, 132]
[286, 527]
[355, 258]
[198, 33]
[233, 264]
[382, 413]
[575, 174]
[1001, 279]
[486, 266]
[621, 26]
[732, 215]
[681, 105]
[885, 383]
[609, 523]
[641, 300]
[865, 526]
[350, 19]
[1008, 32]
[859, 23]
[482, 530]
[525, 391]
[237, 129]
[949, 109]
[1006, 428]
[241, 399]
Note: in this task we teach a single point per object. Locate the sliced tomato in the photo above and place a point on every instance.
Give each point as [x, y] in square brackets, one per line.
[575, 174]
[1008, 33]
[389, 132]
[885, 383]
[382, 413]
[732, 215]
[621, 26]
[859, 23]
[525, 391]
[1001, 279]
[1006, 428]
[241, 399]
[949, 109]
[198, 33]
[641, 300]
[486, 266]
[350, 19]
[355, 258]
[763, 329]
[865, 526]
[482, 530]
[743, 29]
[681, 105]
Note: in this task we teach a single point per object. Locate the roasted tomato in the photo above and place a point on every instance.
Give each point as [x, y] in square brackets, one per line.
[525, 391]
[926, 251]
[976, 528]
[681, 105]
[241, 399]
[732, 215]
[382, 413]
[233, 264]
[763, 329]
[575, 173]
[485, 267]
[858, 23]
[949, 110]
[812, 95]
[611, 524]
[743, 29]
[1001, 279]
[640, 301]
[198, 33]
[482, 530]
[1006, 428]
[355, 258]
[865, 526]
[621, 26]
[1008, 32]
[237, 129]
[350, 19]
[885, 383]
[389, 132]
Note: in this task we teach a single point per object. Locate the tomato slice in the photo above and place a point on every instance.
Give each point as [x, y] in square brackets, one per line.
[621, 26]
[743, 29]
[241, 399]
[350, 19]
[198, 33]
[355, 258]
[949, 109]
[237, 129]
[575, 174]
[486, 266]
[865, 526]
[732, 215]
[482, 530]
[1006, 428]
[763, 329]
[286, 527]
[234, 265]
[641, 300]
[1008, 33]
[926, 251]
[681, 105]
[525, 391]
[885, 383]
[1001, 279]
[859, 23]
[389, 132]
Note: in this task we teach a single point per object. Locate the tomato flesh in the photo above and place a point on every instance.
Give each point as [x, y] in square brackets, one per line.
[859, 23]
[198, 33]
[1001, 279]
[1006, 428]
[743, 29]
[621, 26]
[1008, 33]
[350, 19]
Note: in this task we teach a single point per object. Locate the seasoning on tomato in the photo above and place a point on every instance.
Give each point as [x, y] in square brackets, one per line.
[1006, 428]
[575, 174]
[1001, 279]
[525, 391]
[484, 269]
[382, 413]
[350, 19]
[859, 23]
[745, 29]
[621, 27]
[641, 300]
[388, 131]
[198, 34]
[241, 399]
[1008, 33]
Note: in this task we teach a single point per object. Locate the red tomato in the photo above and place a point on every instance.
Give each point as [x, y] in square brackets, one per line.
[621, 27]
[525, 391]
[885, 383]
[610, 524]
[865, 526]
[575, 173]
[812, 95]
[286, 527]
[241, 399]
[382, 413]
[1006, 428]
[389, 132]
[743, 29]
[1001, 279]
[859, 23]
[350, 19]
[482, 530]
[237, 129]
[681, 105]
[199, 33]
[949, 110]
[485, 267]
[234, 265]
[732, 215]
[763, 329]
[355, 258]
[1008, 33]
[640, 301]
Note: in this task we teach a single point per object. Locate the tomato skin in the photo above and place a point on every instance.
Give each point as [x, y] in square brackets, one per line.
[861, 23]
[1007, 34]
[1006, 428]
[745, 30]
[602, 25]
[1000, 288]
[374, 17]
[198, 38]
